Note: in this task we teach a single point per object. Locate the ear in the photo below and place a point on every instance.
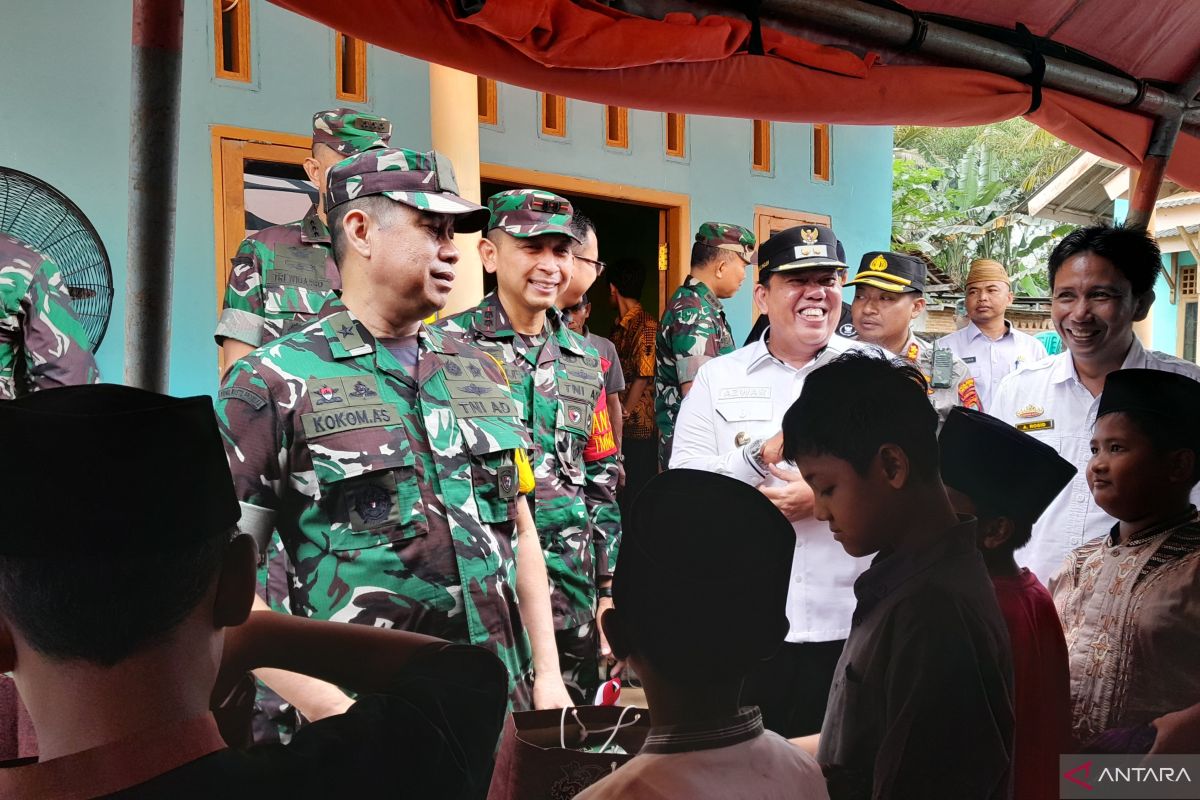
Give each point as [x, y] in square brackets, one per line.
[995, 531]
[893, 464]
[358, 228]
[760, 297]
[918, 307]
[8, 648]
[614, 631]
[488, 253]
[235, 584]
[1182, 465]
[314, 170]
[1141, 305]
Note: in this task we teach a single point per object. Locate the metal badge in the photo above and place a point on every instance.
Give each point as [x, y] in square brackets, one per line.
[741, 439]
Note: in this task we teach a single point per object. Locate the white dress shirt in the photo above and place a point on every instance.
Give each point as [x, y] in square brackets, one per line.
[990, 360]
[1048, 401]
[734, 400]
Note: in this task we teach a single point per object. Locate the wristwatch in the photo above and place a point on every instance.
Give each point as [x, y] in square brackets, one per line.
[754, 454]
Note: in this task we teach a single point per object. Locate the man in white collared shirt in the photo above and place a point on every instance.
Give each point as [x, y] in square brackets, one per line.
[729, 423]
[989, 345]
[1102, 281]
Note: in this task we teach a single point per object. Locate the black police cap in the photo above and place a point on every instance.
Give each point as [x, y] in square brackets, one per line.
[892, 272]
[110, 470]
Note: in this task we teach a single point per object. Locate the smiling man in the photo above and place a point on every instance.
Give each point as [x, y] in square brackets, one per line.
[388, 455]
[889, 293]
[1101, 282]
[729, 423]
[556, 379]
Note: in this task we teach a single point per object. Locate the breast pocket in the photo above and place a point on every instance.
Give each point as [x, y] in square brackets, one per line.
[578, 394]
[745, 419]
[297, 284]
[491, 442]
[368, 488]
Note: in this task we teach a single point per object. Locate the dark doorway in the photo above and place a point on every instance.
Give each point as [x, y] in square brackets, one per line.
[625, 230]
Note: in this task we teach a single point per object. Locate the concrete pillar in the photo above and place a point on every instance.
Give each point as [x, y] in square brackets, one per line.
[454, 123]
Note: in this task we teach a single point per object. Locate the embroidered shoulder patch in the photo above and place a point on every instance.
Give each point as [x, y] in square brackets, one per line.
[245, 395]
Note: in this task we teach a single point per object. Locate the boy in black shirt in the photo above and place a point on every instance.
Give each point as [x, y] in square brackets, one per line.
[921, 703]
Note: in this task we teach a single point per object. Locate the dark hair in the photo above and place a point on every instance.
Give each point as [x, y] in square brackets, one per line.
[859, 402]
[1022, 528]
[104, 609]
[704, 254]
[1167, 435]
[377, 206]
[628, 276]
[1131, 250]
[580, 225]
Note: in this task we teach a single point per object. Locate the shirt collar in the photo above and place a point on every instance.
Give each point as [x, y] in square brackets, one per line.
[1065, 368]
[891, 569]
[312, 229]
[760, 355]
[973, 332]
[745, 725]
[1145, 535]
[118, 765]
[706, 294]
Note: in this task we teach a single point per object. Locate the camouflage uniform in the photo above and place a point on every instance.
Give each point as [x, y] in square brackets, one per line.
[283, 275]
[42, 343]
[556, 384]
[693, 330]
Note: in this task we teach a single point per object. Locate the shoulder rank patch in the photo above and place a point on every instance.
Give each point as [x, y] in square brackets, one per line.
[245, 395]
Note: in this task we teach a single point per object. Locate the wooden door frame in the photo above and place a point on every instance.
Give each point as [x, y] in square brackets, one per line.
[761, 233]
[676, 208]
[231, 147]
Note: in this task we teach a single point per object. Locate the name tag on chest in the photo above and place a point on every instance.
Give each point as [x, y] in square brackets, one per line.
[1037, 425]
[300, 267]
[323, 423]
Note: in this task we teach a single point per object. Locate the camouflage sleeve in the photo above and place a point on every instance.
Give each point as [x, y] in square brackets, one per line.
[694, 339]
[600, 493]
[56, 347]
[242, 315]
[257, 444]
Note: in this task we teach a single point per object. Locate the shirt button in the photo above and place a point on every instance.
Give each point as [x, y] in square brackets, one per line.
[1079, 498]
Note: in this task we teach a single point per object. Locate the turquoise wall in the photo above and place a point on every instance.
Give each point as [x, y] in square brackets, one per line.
[75, 129]
[716, 173]
[72, 124]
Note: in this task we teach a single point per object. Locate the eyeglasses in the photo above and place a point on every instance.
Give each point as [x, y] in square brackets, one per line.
[599, 266]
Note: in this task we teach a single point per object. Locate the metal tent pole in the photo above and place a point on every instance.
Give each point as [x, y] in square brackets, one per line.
[897, 30]
[1158, 153]
[153, 145]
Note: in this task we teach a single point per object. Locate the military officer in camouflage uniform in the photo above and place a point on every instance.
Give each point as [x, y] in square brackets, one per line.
[556, 381]
[42, 342]
[693, 328]
[284, 274]
[888, 295]
[389, 456]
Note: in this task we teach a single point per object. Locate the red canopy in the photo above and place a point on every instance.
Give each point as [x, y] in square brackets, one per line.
[682, 63]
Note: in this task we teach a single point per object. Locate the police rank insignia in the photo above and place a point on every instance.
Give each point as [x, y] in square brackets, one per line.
[1030, 411]
[809, 235]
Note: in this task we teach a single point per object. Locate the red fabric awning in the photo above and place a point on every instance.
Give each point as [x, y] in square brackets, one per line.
[588, 51]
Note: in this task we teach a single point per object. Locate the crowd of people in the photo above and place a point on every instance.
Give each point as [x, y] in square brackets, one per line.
[843, 561]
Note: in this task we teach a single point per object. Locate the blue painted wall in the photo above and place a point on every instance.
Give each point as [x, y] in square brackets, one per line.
[716, 172]
[73, 125]
[74, 133]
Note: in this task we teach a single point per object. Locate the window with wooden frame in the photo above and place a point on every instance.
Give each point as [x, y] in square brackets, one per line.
[231, 32]
[554, 114]
[616, 127]
[761, 153]
[351, 67]
[676, 137]
[489, 109]
[821, 166]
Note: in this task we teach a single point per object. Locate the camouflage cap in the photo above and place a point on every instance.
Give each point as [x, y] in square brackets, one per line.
[726, 236]
[348, 131]
[424, 181]
[530, 212]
